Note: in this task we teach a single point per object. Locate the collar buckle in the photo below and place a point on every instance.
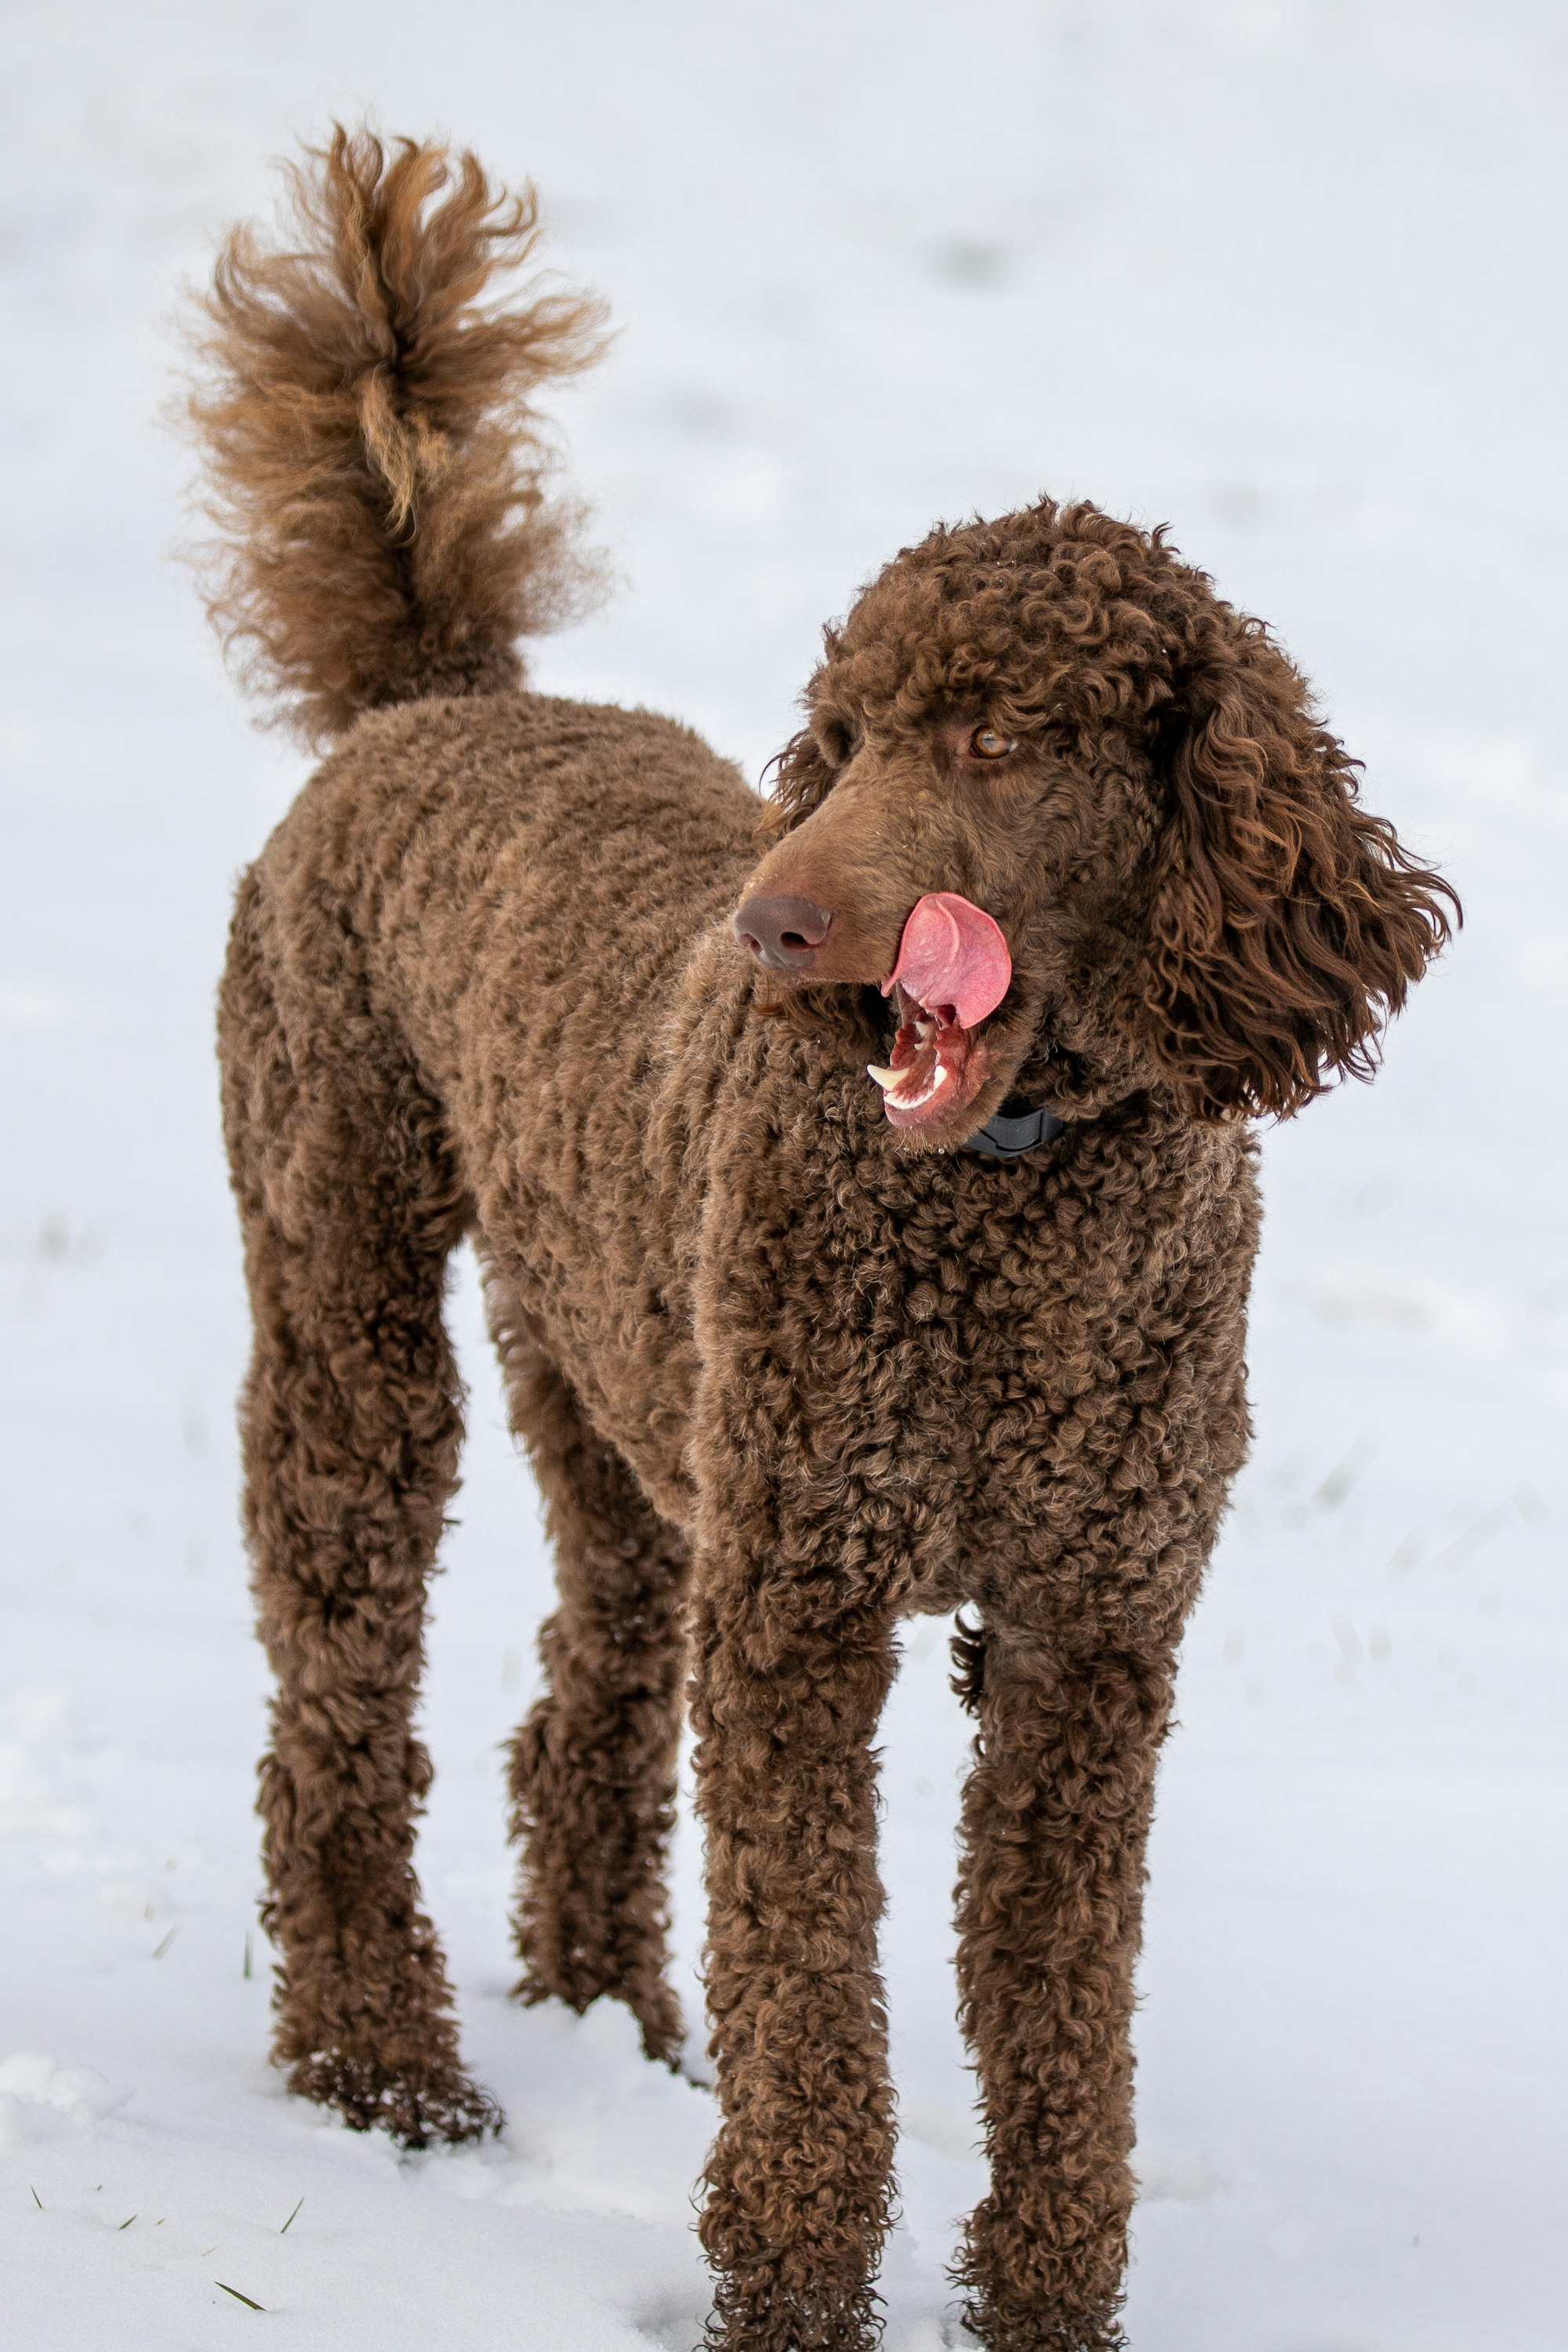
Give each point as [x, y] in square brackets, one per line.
[1009, 1138]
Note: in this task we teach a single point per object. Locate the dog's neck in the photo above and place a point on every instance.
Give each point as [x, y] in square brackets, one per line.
[1013, 1131]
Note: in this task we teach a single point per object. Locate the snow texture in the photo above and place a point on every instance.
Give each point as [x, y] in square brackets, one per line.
[1286, 273]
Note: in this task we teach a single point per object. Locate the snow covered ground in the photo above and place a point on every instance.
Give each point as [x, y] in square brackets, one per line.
[1287, 273]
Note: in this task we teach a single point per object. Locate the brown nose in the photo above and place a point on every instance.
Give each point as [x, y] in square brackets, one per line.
[783, 933]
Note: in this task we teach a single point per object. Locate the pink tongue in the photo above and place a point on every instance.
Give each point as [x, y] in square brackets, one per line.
[953, 953]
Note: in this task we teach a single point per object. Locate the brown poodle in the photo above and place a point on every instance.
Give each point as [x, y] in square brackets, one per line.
[796, 1348]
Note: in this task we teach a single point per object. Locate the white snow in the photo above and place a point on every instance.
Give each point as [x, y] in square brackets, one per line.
[1286, 273]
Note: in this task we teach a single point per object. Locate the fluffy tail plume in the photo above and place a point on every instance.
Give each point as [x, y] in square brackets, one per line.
[375, 465]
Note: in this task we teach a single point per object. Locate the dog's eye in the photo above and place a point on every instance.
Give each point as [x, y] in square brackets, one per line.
[990, 743]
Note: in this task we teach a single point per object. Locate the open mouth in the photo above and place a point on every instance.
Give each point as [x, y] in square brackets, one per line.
[953, 970]
[936, 1065]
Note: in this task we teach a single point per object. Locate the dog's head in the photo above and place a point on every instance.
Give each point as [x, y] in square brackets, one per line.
[1054, 795]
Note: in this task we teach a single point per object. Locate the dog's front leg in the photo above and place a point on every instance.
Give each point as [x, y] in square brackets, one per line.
[791, 1662]
[1055, 1817]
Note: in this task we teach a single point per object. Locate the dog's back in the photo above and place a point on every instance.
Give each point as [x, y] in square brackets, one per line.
[475, 924]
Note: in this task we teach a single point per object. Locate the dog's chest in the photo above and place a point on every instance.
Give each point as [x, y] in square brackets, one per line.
[1050, 1347]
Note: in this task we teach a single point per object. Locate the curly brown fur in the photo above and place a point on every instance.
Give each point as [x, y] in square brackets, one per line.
[351, 1426]
[1279, 924]
[1054, 1818]
[786, 1374]
[374, 464]
[593, 1769]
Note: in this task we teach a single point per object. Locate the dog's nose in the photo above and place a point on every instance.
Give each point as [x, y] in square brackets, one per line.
[783, 933]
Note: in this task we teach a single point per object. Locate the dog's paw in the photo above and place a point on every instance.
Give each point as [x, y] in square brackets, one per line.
[416, 2109]
[660, 2024]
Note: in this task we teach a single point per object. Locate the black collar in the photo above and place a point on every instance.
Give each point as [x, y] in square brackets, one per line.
[1010, 1136]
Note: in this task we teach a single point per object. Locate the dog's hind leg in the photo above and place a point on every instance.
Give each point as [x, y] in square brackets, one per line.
[592, 1768]
[351, 1427]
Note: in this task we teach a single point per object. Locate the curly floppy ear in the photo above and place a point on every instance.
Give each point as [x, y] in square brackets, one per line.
[1288, 923]
[802, 782]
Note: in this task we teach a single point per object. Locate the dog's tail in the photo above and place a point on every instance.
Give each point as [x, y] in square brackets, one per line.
[375, 465]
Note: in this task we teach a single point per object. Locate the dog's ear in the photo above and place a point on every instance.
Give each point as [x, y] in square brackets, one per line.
[1288, 924]
[802, 782]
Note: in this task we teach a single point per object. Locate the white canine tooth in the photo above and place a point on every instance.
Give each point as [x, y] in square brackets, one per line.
[938, 1079]
[890, 1080]
[923, 1027]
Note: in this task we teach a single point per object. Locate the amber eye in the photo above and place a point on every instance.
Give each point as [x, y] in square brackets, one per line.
[990, 743]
